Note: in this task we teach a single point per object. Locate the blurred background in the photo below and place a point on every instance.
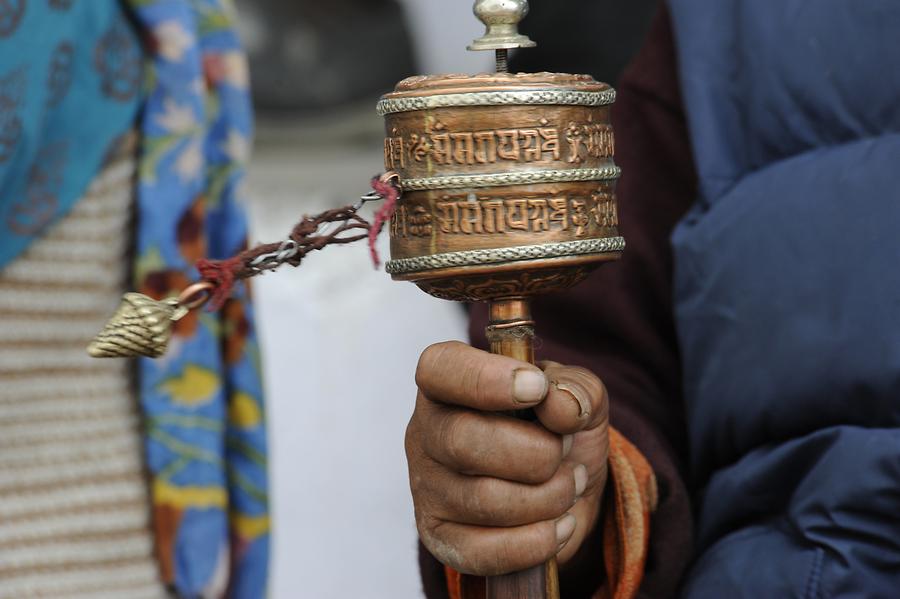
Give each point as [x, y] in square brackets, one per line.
[340, 339]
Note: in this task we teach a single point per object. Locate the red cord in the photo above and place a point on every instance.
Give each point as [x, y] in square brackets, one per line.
[222, 274]
[383, 215]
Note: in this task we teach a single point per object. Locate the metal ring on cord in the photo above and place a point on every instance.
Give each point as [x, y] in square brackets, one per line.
[195, 295]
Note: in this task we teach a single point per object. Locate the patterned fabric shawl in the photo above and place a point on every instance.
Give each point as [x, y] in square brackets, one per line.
[70, 84]
[70, 77]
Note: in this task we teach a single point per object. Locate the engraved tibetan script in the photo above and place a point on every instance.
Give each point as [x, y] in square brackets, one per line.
[453, 216]
[589, 141]
[474, 147]
[578, 142]
[604, 209]
[394, 154]
[411, 222]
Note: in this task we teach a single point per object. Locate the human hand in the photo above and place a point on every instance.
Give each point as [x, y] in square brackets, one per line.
[494, 494]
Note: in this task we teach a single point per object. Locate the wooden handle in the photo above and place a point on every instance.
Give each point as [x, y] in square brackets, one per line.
[511, 333]
[537, 582]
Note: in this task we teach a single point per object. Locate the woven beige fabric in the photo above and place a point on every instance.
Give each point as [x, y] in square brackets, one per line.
[74, 507]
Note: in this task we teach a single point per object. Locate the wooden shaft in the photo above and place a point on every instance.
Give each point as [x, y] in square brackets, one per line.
[511, 333]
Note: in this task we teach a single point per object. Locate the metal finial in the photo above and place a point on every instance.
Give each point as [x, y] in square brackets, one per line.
[501, 18]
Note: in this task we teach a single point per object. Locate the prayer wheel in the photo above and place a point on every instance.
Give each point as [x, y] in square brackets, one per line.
[508, 191]
[508, 182]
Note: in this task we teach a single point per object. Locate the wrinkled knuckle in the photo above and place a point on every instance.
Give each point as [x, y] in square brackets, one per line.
[562, 494]
[603, 407]
[479, 563]
[422, 520]
[541, 472]
[439, 545]
[546, 460]
[410, 439]
[466, 556]
[542, 544]
[500, 555]
[597, 389]
[479, 504]
[598, 395]
[472, 375]
[428, 359]
[591, 383]
[549, 365]
[453, 438]
[419, 472]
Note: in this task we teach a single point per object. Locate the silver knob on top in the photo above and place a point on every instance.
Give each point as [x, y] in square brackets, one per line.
[501, 19]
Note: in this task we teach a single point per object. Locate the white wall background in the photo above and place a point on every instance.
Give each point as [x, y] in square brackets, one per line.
[441, 31]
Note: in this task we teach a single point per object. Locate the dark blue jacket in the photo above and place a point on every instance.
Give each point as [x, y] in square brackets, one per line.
[787, 295]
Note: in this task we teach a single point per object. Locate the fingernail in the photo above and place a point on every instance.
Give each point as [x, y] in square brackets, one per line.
[529, 386]
[567, 444]
[565, 526]
[581, 478]
[577, 393]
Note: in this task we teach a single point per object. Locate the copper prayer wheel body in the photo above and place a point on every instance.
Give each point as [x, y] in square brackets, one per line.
[508, 182]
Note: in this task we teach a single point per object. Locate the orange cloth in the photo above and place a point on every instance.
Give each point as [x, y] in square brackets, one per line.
[626, 526]
[626, 523]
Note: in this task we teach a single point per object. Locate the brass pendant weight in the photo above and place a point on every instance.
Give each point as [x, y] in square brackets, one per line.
[508, 192]
[142, 326]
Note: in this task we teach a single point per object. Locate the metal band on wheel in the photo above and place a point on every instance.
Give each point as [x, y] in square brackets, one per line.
[501, 179]
[497, 98]
[562, 249]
